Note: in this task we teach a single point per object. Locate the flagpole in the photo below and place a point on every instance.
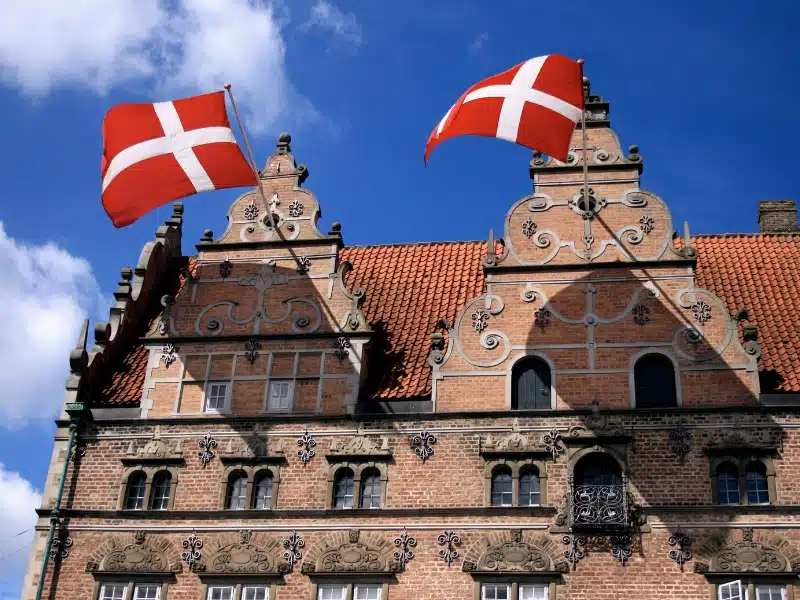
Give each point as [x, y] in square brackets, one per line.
[585, 162]
[252, 159]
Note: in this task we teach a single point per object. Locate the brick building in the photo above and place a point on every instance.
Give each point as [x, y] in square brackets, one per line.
[590, 406]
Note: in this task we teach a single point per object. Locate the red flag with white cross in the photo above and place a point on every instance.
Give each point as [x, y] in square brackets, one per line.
[535, 104]
[160, 152]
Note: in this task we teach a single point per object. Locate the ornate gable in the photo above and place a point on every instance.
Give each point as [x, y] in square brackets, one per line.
[138, 553]
[349, 553]
[509, 552]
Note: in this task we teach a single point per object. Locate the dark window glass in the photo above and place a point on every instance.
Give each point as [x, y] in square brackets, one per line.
[501, 487]
[343, 487]
[756, 477]
[262, 496]
[654, 378]
[530, 492]
[728, 484]
[134, 495]
[370, 489]
[530, 384]
[237, 491]
[159, 497]
[597, 469]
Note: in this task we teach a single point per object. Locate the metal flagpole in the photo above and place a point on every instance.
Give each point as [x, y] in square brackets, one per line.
[585, 162]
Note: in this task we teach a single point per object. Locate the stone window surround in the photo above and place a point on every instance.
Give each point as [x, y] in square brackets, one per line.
[675, 367]
[350, 583]
[130, 580]
[150, 473]
[749, 583]
[741, 462]
[357, 468]
[237, 582]
[253, 472]
[510, 377]
[516, 465]
[515, 580]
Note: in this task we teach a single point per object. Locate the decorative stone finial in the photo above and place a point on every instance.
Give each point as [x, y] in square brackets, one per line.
[283, 143]
[336, 229]
[126, 273]
[633, 153]
[177, 209]
[586, 87]
[208, 236]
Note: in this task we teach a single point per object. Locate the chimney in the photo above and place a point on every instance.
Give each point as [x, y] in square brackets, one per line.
[777, 216]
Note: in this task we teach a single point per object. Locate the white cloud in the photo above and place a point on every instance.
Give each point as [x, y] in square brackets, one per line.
[326, 16]
[173, 46]
[18, 501]
[45, 293]
[478, 43]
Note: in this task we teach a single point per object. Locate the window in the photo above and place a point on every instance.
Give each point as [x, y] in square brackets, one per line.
[756, 478]
[502, 490]
[508, 591]
[262, 498]
[728, 483]
[159, 498]
[135, 493]
[146, 591]
[530, 384]
[220, 592]
[280, 395]
[747, 590]
[533, 592]
[343, 487]
[770, 592]
[731, 591]
[654, 382]
[368, 592]
[216, 396]
[255, 592]
[121, 591]
[113, 591]
[496, 592]
[350, 591]
[370, 489]
[597, 469]
[237, 491]
[530, 491]
[332, 592]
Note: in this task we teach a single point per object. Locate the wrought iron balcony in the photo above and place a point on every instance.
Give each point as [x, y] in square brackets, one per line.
[599, 507]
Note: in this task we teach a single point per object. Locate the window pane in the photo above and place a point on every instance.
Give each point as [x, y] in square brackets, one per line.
[280, 393]
[332, 592]
[756, 478]
[160, 494]
[731, 591]
[533, 592]
[254, 592]
[263, 492]
[237, 492]
[530, 492]
[501, 488]
[370, 489]
[343, 489]
[368, 592]
[134, 499]
[113, 591]
[654, 382]
[769, 592]
[728, 484]
[146, 591]
[220, 592]
[494, 591]
[216, 395]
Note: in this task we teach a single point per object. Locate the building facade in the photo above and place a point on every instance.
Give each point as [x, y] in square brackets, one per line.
[588, 406]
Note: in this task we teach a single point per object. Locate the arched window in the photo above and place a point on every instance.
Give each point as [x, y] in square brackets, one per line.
[159, 497]
[134, 494]
[654, 380]
[728, 483]
[262, 492]
[370, 496]
[597, 469]
[343, 487]
[502, 494]
[756, 478]
[530, 384]
[530, 491]
[236, 497]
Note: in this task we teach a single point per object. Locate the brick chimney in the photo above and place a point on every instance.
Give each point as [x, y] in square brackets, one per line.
[777, 216]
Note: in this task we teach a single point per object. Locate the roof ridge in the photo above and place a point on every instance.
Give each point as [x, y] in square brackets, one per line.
[431, 243]
[755, 234]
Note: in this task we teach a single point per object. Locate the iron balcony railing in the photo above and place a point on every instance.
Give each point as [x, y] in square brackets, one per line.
[599, 506]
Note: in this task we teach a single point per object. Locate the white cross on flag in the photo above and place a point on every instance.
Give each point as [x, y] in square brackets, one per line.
[535, 104]
[157, 153]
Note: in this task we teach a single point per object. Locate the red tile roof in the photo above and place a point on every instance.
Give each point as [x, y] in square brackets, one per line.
[410, 287]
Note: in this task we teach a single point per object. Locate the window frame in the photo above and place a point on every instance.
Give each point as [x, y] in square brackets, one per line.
[131, 584]
[141, 499]
[253, 472]
[350, 587]
[358, 468]
[150, 472]
[226, 408]
[238, 584]
[514, 582]
[749, 585]
[741, 462]
[510, 391]
[632, 377]
[517, 466]
[291, 395]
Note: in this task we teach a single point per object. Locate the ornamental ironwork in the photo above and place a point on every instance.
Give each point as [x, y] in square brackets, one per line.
[702, 311]
[191, 554]
[422, 442]
[529, 228]
[307, 444]
[295, 208]
[207, 445]
[169, 354]
[251, 350]
[225, 269]
[59, 549]
[622, 547]
[599, 506]
[646, 223]
[448, 539]
[341, 346]
[251, 211]
[681, 441]
[480, 320]
[303, 265]
[574, 554]
[292, 545]
[552, 443]
[404, 552]
[640, 312]
[683, 548]
[541, 318]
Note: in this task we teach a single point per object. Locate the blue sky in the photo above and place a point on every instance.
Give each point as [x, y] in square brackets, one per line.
[708, 90]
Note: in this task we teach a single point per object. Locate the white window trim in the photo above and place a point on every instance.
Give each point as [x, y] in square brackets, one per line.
[158, 589]
[228, 390]
[512, 587]
[483, 589]
[211, 588]
[124, 584]
[290, 405]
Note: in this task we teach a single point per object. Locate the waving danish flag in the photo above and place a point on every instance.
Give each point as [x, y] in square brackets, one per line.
[156, 153]
[535, 104]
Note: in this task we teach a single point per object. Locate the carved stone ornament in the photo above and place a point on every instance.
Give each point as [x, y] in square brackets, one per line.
[251, 350]
[246, 555]
[295, 208]
[422, 443]
[252, 447]
[511, 556]
[529, 228]
[169, 354]
[154, 450]
[480, 320]
[207, 445]
[646, 223]
[360, 445]
[749, 556]
[513, 443]
[251, 211]
[138, 555]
